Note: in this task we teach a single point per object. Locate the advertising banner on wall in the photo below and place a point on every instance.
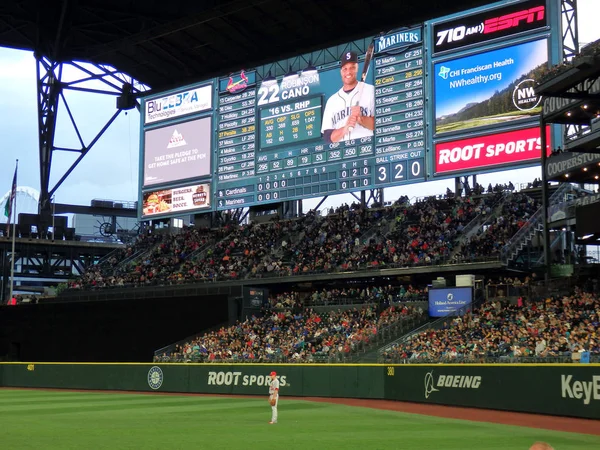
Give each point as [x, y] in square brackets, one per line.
[489, 151]
[177, 152]
[491, 88]
[176, 200]
[178, 104]
[488, 25]
[445, 301]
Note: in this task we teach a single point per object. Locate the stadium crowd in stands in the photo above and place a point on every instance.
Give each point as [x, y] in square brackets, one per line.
[291, 332]
[496, 234]
[552, 327]
[428, 231]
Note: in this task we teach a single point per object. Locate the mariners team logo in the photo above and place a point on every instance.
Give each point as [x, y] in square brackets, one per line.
[237, 86]
[429, 384]
[155, 377]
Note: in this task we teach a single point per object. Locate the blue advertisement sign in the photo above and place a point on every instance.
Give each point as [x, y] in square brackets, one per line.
[445, 301]
[491, 88]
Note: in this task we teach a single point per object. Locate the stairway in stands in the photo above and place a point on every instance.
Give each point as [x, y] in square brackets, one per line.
[370, 353]
[535, 225]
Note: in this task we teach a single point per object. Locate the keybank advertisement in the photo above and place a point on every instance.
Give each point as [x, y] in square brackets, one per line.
[495, 87]
[443, 302]
[490, 151]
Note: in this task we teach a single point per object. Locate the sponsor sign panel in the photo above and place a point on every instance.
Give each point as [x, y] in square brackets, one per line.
[177, 152]
[555, 106]
[178, 104]
[558, 165]
[486, 26]
[177, 200]
[239, 378]
[443, 302]
[491, 88]
[564, 390]
[490, 151]
[585, 391]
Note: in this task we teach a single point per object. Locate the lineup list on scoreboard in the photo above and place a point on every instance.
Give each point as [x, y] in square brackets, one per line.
[236, 136]
[400, 116]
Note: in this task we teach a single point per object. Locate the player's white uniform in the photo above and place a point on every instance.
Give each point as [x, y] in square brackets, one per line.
[274, 392]
[337, 110]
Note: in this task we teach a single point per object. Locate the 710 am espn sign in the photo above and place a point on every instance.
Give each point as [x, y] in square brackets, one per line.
[511, 148]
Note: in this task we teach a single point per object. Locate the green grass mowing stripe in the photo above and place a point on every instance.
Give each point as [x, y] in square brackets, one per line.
[228, 423]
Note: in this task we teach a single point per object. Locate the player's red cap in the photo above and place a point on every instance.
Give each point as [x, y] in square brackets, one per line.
[273, 374]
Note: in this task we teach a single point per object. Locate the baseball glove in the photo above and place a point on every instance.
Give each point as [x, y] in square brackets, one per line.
[272, 401]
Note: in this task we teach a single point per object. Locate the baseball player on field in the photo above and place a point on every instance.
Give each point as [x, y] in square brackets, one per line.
[350, 112]
[274, 396]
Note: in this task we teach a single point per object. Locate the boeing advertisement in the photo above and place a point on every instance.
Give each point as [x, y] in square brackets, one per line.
[492, 88]
[446, 301]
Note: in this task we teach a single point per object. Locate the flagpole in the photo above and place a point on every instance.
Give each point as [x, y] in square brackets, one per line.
[14, 228]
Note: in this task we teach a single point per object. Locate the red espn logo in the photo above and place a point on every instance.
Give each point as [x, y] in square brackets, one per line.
[513, 20]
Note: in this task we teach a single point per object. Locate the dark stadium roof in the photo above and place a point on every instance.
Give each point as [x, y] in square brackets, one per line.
[170, 42]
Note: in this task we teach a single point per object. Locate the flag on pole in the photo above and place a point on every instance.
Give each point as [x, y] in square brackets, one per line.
[11, 200]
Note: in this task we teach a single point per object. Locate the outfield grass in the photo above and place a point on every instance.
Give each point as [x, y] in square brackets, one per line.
[93, 420]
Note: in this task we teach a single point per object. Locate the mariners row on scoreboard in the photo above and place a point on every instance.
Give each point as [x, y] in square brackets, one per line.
[412, 54]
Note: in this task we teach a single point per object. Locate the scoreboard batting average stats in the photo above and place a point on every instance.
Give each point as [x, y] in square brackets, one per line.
[449, 97]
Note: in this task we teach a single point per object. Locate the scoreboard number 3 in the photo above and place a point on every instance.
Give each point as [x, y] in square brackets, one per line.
[398, 171]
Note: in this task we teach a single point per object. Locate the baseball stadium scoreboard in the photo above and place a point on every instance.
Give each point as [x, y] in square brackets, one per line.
[452, 96]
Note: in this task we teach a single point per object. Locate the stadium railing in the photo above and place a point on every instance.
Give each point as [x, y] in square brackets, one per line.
[562, 359]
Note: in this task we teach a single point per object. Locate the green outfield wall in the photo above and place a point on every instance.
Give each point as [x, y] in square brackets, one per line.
[557, 389]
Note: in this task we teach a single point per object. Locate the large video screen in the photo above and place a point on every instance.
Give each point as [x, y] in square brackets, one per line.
[445, 301]
[496, 87]
[353, 117]
[177, 152]
[325, 131]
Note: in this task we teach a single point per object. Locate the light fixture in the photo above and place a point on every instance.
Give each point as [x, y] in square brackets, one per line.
[566, 175]
[585, 169]
[569, 114]
[309, 70]
[290, 75]
[596, 177]
[269, 79]
[587, 236]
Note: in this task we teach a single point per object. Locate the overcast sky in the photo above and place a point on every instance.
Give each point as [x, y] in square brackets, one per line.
[110, 170]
